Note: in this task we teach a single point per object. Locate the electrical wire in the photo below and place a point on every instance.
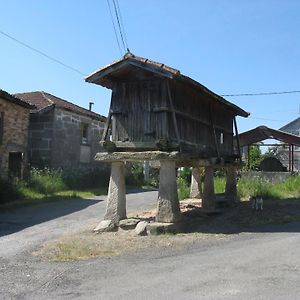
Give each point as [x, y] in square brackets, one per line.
[41, 53]
[122, 24]
[119, 24]
[260, 94]
[115, 30]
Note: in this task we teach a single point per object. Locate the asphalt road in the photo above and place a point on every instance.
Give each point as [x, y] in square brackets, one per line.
[259, 265]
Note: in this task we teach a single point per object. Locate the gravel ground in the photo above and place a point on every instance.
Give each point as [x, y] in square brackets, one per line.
[262, 264]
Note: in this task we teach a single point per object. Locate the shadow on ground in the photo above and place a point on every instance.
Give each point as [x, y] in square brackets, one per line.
[231, 220]
[16, 219]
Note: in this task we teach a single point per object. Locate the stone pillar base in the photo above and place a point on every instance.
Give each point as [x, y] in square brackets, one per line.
[196, 187]
[231, 185]
[116, 199]
[168, 210]
[208, 201]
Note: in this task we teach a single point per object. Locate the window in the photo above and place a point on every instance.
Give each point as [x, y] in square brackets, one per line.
[1, 126]
[84, 133]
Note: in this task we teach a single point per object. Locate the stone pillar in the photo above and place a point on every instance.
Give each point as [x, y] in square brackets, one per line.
[231, 181]
[168, 204]
[116, 199]
[208, 200]
[196, 187]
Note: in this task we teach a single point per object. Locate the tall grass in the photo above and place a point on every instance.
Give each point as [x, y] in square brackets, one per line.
[46, 181]
[248, 187]
[220, 183]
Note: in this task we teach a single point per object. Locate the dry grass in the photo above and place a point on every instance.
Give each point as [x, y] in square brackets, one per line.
[86, 245]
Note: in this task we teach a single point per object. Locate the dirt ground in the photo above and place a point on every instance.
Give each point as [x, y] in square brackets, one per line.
[85, 244]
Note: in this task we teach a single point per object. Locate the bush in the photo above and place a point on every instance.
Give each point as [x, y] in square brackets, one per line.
[183, 188]
[258, 187]
[184, 182]
[46, 181]
[219, 183]
[86, 179]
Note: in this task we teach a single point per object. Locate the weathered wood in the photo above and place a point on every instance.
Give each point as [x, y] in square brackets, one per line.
[173, 113]
[214, 130]
[237, 137]
[190, 117]
[107, 124]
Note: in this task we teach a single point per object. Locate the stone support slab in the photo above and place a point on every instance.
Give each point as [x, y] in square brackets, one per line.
[196, 186]
[168, 204]
[208, 200]
[231, 185]
[116, 199]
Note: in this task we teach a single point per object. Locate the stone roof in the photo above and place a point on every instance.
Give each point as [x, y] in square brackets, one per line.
[11, 98]
[43, 101]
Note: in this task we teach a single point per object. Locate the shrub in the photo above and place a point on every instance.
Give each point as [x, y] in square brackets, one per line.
[219, 183]
[183, 188]
[46, 181]
[184, 182]
[85, 179]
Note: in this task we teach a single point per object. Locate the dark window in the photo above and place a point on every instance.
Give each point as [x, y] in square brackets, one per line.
[15, 164]
[84, 133]
[1, 126]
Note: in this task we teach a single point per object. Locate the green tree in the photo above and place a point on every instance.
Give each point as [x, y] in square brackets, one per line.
[255, 157]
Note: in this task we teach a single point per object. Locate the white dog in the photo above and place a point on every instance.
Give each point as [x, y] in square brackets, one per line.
[257, 203]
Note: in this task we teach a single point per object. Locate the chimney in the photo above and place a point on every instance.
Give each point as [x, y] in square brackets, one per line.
[90, 105]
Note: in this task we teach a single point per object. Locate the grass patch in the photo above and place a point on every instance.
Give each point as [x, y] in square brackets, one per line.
[46, 181]
[220, 183]
[84, 244]
[77, 250]
[49, 185]
[258, 187]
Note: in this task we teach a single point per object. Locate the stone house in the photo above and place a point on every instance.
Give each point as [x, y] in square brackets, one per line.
[14, 119]
[292, 127]
[62, 134]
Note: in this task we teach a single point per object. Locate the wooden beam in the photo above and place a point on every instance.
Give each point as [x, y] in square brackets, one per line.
[173, 113]
[237, 136]
[106, 128]
[187, 116]
[214, 130]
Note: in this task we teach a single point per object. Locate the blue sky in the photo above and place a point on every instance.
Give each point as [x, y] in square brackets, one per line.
[230, 46]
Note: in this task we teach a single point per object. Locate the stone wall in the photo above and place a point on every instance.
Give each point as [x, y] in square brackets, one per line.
[269, 176]
[70, 150]
[15, 134]
[40, 138]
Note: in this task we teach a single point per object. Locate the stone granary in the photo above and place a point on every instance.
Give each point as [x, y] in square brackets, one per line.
[14, 119]
[62, 134]
[156, 113]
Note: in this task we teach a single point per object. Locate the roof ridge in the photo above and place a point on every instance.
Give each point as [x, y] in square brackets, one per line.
[61, 99]
[46, 98]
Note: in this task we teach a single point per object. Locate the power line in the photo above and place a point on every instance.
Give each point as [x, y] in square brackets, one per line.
[122, 24]
[119, 24]
[41, 53]
[265, 119]
[113, 23]
[260, 94]
[126, 45]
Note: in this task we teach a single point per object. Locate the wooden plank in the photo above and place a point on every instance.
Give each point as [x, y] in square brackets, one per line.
[214, 130]
[187, 116]
[173, 113]
[237, 137]
[108, 122]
